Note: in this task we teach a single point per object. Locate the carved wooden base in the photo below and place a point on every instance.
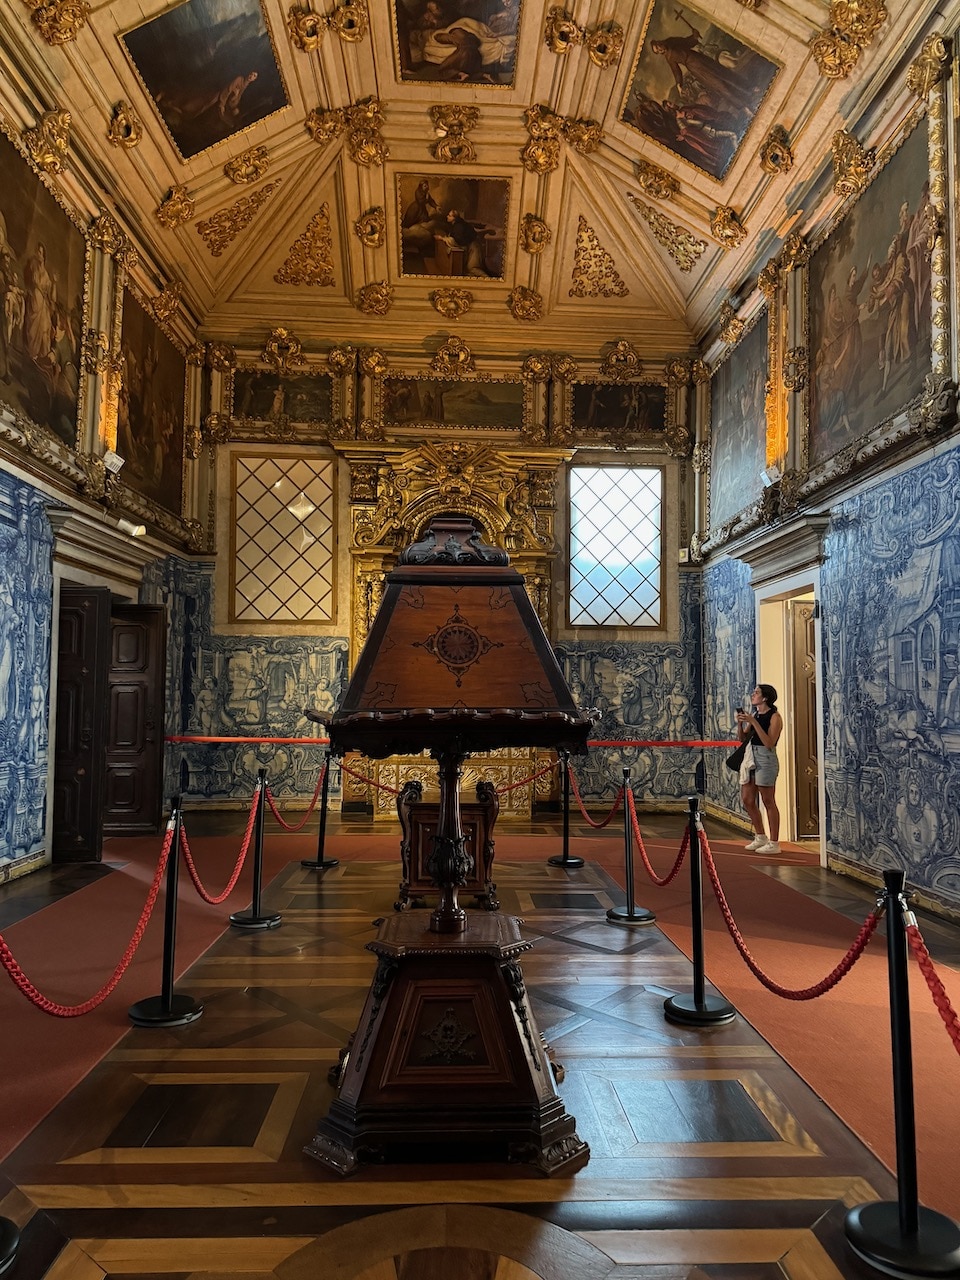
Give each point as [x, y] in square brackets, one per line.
[447, 1062]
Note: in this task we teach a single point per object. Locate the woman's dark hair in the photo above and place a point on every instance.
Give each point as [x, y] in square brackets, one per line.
[769, 695]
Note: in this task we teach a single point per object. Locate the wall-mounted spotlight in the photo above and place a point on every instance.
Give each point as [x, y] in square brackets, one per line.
[130, 529]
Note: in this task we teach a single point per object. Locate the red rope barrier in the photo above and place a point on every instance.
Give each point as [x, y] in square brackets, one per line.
[937, 990]
[502, 791]
[684, 846]
[856, 950]
[24, 984]
[586, 817]
[313, 804]
[238, 865]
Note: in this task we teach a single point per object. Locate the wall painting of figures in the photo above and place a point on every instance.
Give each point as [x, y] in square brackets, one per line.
[601, 407]
[210, 68]
[452, 225]
[261, 396]
[695, 87]
[448, 403]
[738, 426]
[150, 408]
[42, 257]
[457, 41]
[869, 308]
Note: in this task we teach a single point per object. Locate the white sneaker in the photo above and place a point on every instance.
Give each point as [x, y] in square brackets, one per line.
[768, 846]
[756, 842]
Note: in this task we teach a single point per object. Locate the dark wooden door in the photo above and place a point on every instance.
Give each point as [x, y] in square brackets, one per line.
[134, 737]
[78, 780]
[806, 763]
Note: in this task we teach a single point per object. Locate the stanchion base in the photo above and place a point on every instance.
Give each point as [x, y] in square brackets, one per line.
[639, 915]
[246, 920]
[316, 865]
[9, 1244]
[560, 861]
[873, 1232]
[712, 1011]
[156, 1012]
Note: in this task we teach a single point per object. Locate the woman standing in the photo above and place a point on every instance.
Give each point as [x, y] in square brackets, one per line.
[760, 728]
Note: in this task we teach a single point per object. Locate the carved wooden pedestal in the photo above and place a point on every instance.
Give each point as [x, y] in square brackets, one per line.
[447, 1062]
[419, 824]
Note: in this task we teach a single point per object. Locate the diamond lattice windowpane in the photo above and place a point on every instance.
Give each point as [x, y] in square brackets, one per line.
[615, 546]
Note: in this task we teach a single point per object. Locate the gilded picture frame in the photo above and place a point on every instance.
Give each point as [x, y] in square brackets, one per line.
[738, 426]
[597, 410]
[412, 402]
[452, 225]
[306, 398]
[456, 42]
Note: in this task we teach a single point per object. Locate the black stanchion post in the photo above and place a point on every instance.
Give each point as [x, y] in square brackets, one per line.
[321, 864]
[904, 1239]
[168, 1009]
[255, 918]
[701, 1010]
[9, 1244]
[565, 860]
[633, 914]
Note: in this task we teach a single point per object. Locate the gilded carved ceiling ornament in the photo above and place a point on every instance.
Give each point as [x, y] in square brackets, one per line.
[622, 362]
[373, 362]
[125, 128]
[655, 182]
[196, 355]
[929, 67]
[305, 28]
[725, 226]
[350, 21]
[342, 360]
[537, 367]
[731, 329]
[248, 166]
[375, 299]
[177, 208]
[853, 24]
[684, 248]
[604, 44]
[310, 260]
[324, 125]
[451, 124]
[362, 122]
[678, 373]
[560, 32]
[852, 164]
[594, 273]
[370, 228]
[283, 351]
[60, 21]
[776, 154]
[222, 228]
[167, 302]
[451, 303]
[547, 130]
[105, 234]
[453, 358]
[525, 304]
[47, 142]
[220, 356]
[535, 235]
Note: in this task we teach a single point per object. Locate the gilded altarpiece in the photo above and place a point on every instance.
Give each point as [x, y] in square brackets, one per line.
[394, 493]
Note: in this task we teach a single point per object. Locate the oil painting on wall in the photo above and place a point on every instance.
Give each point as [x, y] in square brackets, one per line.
[41, 284]
[452, 226]
[599, 407]
[695, 87]
[870, 319]
[437, 401]
[738, 426]
[258, 395]
[210, 68]
[150, 408]
[457, 41]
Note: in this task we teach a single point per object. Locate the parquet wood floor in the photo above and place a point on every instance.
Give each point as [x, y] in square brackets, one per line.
[181, 1155]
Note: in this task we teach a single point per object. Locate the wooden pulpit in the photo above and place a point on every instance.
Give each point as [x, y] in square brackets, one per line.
[447, 1062]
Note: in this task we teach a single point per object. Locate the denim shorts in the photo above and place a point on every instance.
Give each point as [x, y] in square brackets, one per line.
[767, 766]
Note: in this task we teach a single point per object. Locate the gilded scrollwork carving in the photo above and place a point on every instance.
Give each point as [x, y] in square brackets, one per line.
[621, 362]
[731, 328]
[796, 367]
[937, 407]
[105, 234]
[700, 459]
[795, 252]
[176, 208]
[60, 21]
[452, 358]
[217, 428]
[768, 281]
[48, 140]
[248, 166]
[560, 32]
[654, 181]
[350, 21]
[678, 373]
[791, 490]
[524, 303]
[310, 260]
[371, 227]
[192, 440]
[547, 129]
[362, 122]
[196, 355]
[535, 235]
[700, 372]
[852, 163]
[451, 303]
[363, 482]
[725, 226]
[96, 351]
[280, 427]
[594, 272]
[853, 24]
[283, 351]
[125, 128]
[373, 362]
[342, 359]
[375, 299]
[221, 229]
[167, 302]
[220, 356]
[305, 28]
[93, 482]
[565, 368]
[929, 67]
[451, 124]
[604, 44]
[776, 153]
[684, 248]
